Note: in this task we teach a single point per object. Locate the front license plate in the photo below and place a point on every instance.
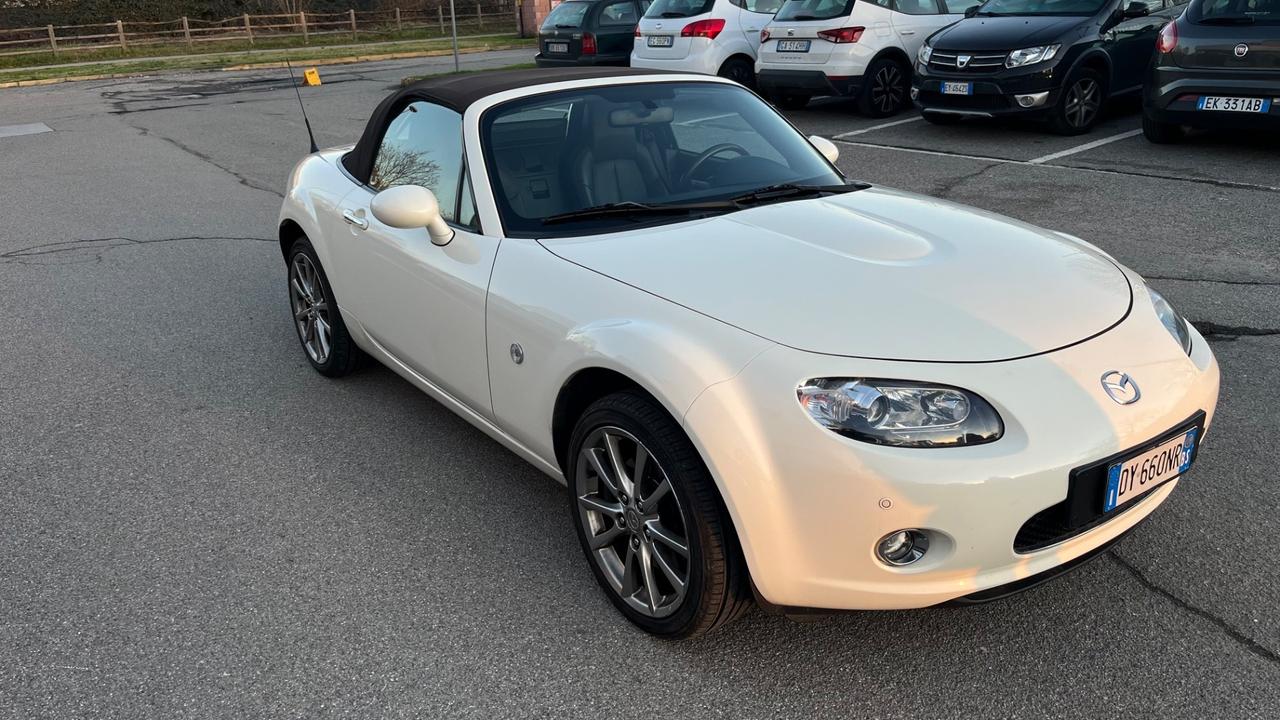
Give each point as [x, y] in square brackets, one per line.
[793, 46]
[1234, 104]
[1131, 477]
[957, 88]
[660, 40]
[557, 47]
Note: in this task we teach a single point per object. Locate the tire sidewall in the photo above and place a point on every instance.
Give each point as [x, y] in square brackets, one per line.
[1059, 118]
[338, 362]
[697, 531]
[867, 106]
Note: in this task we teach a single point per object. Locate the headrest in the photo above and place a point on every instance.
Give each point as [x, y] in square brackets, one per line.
[642, 116]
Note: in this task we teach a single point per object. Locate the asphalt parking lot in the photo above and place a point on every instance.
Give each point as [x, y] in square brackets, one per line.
[195, 524]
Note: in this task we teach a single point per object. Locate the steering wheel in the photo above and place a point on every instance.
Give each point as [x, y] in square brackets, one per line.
[707, 155]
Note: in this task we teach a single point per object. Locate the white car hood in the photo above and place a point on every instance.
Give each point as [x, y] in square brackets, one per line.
[876, 273]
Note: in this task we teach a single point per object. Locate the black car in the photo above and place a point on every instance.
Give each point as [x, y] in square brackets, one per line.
[589, 32]
[1059, 60]
[1216, 66]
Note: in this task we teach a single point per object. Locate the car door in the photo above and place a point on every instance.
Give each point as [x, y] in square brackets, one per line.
[753, 15]
[915, 20]
[423, 303]
[615, 27]
[1131, 43]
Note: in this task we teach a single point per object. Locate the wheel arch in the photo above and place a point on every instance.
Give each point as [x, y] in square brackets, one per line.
[289, 233]
[897, 54]
[579, 390]
[1095, 60]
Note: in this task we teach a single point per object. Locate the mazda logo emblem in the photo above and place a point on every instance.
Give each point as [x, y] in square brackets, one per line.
[1120, 387]
[1242, 50]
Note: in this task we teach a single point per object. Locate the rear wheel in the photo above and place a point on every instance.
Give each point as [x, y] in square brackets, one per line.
[1080, 104]
[739, 70]
[651, 522]
[324, 337]
[884, 90]
[1160, 132]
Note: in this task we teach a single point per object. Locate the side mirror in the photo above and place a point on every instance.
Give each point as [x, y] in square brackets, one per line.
[409, 207]
[1137, 10]
[826, 147]
[972, 11]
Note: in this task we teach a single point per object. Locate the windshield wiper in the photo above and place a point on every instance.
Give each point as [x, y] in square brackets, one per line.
[784, 191]
[629, 207]
[674, 14]
[1227, 20]
[987, 13]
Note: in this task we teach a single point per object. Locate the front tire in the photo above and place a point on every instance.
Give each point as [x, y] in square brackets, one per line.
[325, 340]
[650, 520]
[1080, 104]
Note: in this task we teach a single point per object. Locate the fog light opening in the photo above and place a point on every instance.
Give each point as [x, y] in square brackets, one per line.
[902, 547]
[1032, 100]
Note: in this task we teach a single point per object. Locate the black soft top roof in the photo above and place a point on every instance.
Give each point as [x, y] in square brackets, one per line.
[459, 92]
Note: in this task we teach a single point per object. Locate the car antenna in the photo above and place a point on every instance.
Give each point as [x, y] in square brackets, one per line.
[296, 91]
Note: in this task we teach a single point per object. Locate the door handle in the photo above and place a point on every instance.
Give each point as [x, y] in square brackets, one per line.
[906, 32]
[353, 219]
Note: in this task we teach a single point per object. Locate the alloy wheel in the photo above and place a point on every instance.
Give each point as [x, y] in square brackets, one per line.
[887, 91]
[310, 308]
[636, 528]
[1083, 101]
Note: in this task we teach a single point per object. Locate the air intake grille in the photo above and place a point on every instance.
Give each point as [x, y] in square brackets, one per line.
[967, 62]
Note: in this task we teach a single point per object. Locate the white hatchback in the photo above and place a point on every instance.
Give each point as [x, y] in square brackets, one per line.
[858, 48]
[712, 37]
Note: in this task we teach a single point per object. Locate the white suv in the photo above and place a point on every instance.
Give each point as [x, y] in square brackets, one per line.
[860, 48]
[713, 37]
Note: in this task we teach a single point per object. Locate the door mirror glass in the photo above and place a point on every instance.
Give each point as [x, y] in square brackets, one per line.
[971, 11]
[826, 147]
[409, 207]
[1137, 10]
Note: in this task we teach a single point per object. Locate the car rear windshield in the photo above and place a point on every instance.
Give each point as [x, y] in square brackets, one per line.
[1235, 12]
[801, 10]
[1041, 7]
[678, 8]
[566, 15]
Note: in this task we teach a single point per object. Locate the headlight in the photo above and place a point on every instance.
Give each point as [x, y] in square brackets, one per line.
[1172, 321]
[924, 54]
[1031, 55]
[900, 412]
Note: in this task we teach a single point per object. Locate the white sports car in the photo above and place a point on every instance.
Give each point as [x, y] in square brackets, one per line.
[759, 380]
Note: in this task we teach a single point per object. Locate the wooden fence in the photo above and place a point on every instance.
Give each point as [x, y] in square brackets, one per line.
[492, 16]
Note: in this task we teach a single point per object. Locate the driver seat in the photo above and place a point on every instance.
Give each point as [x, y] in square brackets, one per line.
[614, 165]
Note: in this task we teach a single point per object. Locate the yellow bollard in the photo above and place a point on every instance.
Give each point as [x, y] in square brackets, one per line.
[311, 76]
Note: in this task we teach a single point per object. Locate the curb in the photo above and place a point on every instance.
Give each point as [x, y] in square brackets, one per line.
[373, 58]
[57, 81]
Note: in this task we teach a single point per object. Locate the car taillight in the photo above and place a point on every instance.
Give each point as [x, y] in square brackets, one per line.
[703, 28]
[1168, 38]
[637, 31]
[843, 35]
[588, 44]
[764, 36]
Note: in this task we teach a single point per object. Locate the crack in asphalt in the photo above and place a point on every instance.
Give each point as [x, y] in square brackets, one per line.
[944, 189]
[94, 248]
[1261, 283]
[1227, 628]
[243, 179]
[1228, 333]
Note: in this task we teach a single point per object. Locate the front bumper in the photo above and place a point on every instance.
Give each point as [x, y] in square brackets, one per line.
[1171, 93]
[809, 506]
[805, 82]
[993, 93]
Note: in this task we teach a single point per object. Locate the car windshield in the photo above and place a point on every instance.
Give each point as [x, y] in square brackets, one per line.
[1235, 12]
[814, 9]
[1041, 7]
[678, 8]
[651, 152]
[566, 15]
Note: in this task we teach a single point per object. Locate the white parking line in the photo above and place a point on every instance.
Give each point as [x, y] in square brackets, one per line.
[878, 127]
[1073, 168]
[1084, 147]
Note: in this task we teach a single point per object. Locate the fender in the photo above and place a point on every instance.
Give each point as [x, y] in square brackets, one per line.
[1089, 54]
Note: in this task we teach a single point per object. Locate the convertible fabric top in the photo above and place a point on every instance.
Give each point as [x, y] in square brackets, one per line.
[459, 92]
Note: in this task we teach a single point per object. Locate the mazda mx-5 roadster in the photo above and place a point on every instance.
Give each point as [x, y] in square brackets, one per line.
[762, 382]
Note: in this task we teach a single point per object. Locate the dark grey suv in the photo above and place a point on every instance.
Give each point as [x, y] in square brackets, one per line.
[1216, 66]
